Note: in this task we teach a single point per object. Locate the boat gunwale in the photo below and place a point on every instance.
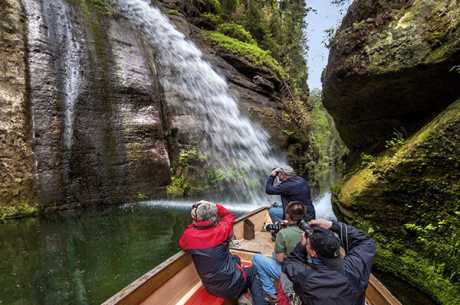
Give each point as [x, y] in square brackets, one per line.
[180, 258]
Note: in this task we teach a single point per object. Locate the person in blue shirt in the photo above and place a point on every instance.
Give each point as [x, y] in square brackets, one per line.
[291, 188]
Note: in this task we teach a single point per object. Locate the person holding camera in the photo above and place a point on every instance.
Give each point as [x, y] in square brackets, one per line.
[269, 269]
[321, 274]
[207, 241]
[285, 182]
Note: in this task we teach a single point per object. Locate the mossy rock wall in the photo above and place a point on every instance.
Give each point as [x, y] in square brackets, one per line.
[389, 68]
[17, 194]
[409, 200]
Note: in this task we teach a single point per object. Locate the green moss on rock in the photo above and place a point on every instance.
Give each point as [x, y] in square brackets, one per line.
[210, 21]
[214, 6]
[20, 209]
[101, 6]
[189, 177]
[194, 176]
[411, 196]
[414, 268]
[251, 52]
[236, 31]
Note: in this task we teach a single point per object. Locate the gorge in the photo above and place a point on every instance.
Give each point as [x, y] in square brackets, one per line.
[109, 102]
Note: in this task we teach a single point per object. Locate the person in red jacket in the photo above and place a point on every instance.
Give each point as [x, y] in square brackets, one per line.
[207, 241]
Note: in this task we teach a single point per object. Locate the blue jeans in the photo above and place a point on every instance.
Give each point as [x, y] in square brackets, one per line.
[276, 214]
[255, 287]
[268, 270]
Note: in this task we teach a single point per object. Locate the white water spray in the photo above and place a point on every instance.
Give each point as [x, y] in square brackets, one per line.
[233, 142]
[72, 50]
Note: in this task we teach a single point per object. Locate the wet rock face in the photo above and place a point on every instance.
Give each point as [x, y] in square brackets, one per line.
[84, 120]
[16, 163]
[409, 199]
[96, 108]
[256, 90]
[389, 68]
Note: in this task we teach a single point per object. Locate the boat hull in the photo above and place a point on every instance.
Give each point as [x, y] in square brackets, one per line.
[176, 281]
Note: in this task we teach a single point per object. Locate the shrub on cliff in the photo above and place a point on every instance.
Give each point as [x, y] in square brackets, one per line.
[209, 21]
[251, 52]
[236, 31]
[214, 6]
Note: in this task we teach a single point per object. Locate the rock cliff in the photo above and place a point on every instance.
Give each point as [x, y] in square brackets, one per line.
[95, 103]
[17, 193]
[409, 200]
[85, 118]
[389, 68]
[391, 85]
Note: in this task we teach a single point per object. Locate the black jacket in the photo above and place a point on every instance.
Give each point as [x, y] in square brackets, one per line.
[320, 285]
[293, 189]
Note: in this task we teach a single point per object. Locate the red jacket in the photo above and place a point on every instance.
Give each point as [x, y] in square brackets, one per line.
[205, 234]
[208, 244]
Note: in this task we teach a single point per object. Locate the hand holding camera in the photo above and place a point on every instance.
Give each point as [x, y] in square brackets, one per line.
[322, 223]
[276, 171]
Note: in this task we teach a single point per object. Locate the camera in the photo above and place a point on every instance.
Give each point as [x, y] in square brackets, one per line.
[304, 226]
[274, 227]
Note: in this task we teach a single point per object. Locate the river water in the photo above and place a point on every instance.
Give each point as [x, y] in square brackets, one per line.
[83, 258]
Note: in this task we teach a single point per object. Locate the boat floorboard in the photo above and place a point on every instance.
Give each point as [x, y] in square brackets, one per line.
[262, 243]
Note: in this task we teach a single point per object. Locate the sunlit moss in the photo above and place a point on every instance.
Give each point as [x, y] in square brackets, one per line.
[20, 209]
[236, 31]
[410, 197]
[249, 51]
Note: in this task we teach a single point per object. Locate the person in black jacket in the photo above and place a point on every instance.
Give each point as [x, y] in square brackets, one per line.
[291, 188]
[321, 274]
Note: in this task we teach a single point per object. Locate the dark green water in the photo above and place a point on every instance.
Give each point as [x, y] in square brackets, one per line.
[407, 294]
[83, 259]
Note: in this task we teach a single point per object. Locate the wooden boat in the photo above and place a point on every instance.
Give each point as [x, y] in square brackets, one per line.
[176, 282]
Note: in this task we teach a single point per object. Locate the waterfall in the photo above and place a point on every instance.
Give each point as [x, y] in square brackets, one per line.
[232, 142]
[71, 75]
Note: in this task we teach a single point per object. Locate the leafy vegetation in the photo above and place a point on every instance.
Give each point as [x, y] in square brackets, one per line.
[367, 160]
[412, 266]
[249, 51]
[189, 174]
[276, 27]
[396, 141]
[20, 209]
[215, 6]
[455, 69]
[210, 21]
[102, 6]
[193, 176]
[325, 137]
[268, 34]
[236, 31]
[410, 197]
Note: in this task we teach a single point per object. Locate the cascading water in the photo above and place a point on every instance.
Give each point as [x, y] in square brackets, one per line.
[72, 50]
[232, 142]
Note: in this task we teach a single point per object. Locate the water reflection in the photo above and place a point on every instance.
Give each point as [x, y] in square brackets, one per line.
[83, 259]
